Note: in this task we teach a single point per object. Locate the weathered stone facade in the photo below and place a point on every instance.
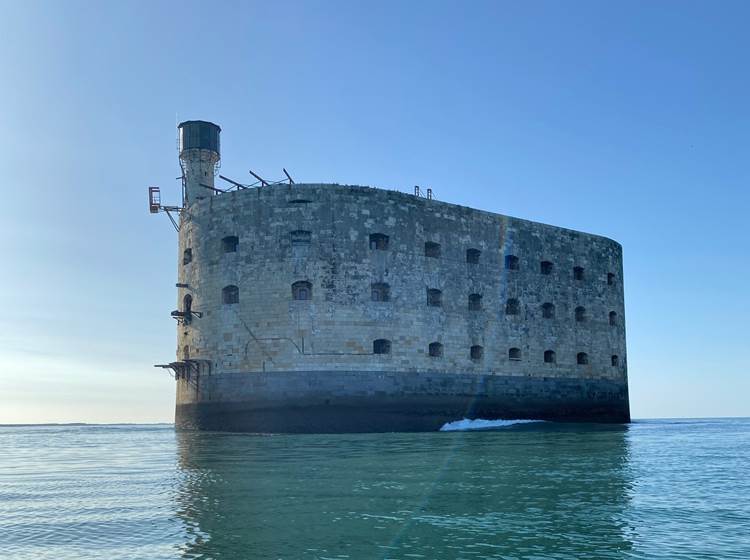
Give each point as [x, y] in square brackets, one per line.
[445, 289]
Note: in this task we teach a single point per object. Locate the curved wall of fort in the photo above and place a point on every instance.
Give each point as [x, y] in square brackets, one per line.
[331, 278]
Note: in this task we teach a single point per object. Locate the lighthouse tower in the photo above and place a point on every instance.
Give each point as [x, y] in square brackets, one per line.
[199, 156]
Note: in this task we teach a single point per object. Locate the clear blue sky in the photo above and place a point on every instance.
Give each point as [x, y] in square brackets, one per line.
[626, 119]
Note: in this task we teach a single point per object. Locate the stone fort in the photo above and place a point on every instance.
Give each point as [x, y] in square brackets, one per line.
[339, 308]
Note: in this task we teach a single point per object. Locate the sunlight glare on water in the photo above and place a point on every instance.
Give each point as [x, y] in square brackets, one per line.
[651, 490]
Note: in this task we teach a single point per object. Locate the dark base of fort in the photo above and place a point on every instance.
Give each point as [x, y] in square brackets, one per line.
[268, 409]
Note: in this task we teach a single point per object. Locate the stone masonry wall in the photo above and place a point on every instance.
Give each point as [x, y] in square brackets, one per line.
[269, 331]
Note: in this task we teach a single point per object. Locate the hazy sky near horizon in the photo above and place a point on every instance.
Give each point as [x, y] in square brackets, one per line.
[625, 119]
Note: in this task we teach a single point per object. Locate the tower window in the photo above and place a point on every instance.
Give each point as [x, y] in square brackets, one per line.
[302, 290]
[545, 267]
[615, 360]
[229, 243]
[230, 294]
[610, 278]
[476, 353]
[512, 307]
[435, 350]
[187, 256]
[378, 242]
[187, 308]
[472, 256]
[514, 354]
[432, 249]
[512, 262]
[300, 238]
[549, 357]
[582, 358]
[580, 314]
[577, 273]
[548, 311]
[434, 298]
[380, 291]
[381, 346]
[475, 302]
[612, 318]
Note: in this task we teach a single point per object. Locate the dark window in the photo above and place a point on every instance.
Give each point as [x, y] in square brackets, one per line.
[475, 302]
[186, 352]
[610, 278]
[434, 298]
[229, 244]
[302, 290]
[187, 308]
[436, 350]
[187, 256]
[380, 291]
[545, 267]
[476, 353]
[381, 346]
[378, 241]
[432, 249]
[512, 307]
[582, 358]
[230, 294]
[548, 311]
[578, 273]
[549, 357]
[514, 354]
[472, 256]
[300, 238]
[511, 262]
[580, 314]
[615, 360]
[300, 201]
[612, 318]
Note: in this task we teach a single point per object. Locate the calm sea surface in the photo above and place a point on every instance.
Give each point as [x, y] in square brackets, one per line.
[654, 489]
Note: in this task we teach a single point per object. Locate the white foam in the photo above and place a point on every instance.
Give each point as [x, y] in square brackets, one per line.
[481, 424]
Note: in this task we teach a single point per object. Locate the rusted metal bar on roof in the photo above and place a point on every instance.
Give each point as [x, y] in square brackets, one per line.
[261, 179]
[211, 188]
[235, 183]
[291, 181]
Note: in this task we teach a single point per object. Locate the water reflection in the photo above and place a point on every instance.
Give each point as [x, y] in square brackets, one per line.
[536, 491]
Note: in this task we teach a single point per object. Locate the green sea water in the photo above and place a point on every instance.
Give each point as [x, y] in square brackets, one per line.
[653, 490]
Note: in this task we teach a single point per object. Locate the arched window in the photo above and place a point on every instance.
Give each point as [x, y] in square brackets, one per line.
[431, 249]
[610, 278]
[229, 243]
[472, 256]
[549, 357]
[548, 311]
[512, 307]
[378, 242]
[187, 256]
[511, 262]
[230, 294]
[434, 298]
[545, 267]
[302, 290]
[514, 354]
[612, 318]
[615, 360]
[475, 302]
[300, 238]
[476, 353]
[186, 352]
[381, 346]
[380, 291]
[187, 308]
[582, 358]
[435, 350]
[580, 314]
[578, 273]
